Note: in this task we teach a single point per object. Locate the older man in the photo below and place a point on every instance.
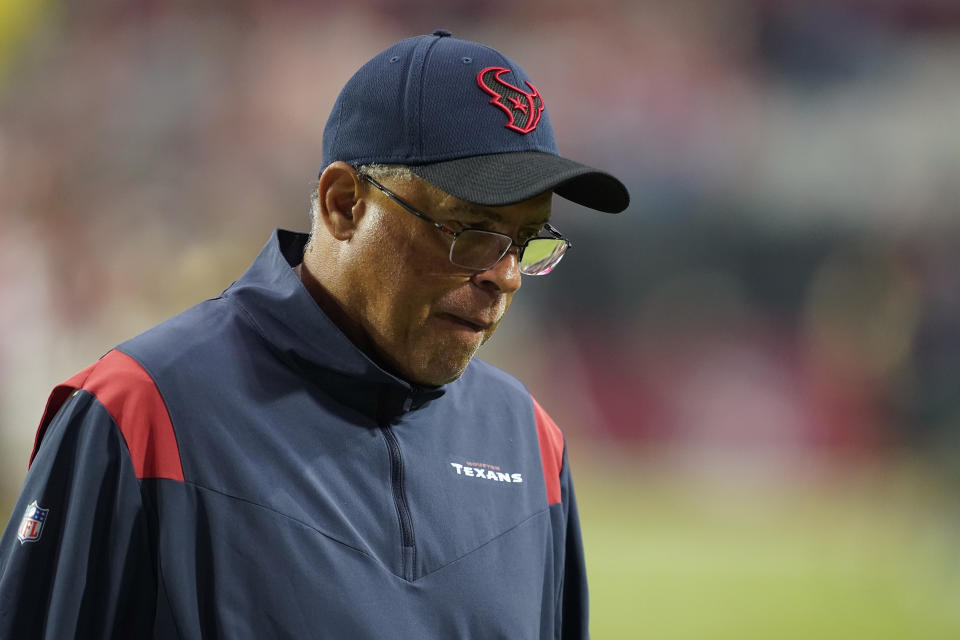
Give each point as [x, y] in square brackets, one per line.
[316, 453]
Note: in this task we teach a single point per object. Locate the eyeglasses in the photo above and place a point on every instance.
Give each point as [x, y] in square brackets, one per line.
[480, 250]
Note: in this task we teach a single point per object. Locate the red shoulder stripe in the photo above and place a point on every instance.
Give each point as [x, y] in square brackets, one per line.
[57, 397]
[130, 396]
[551, 451]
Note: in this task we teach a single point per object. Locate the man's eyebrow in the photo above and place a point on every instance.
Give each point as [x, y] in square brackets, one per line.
[474, 213]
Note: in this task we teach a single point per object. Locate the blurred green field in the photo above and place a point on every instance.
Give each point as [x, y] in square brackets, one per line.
[865, 554]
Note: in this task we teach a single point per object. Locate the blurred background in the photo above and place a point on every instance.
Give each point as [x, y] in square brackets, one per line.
[757, 366]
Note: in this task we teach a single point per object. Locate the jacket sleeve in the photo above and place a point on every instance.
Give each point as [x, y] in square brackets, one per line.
[74, 558]
[573, 605]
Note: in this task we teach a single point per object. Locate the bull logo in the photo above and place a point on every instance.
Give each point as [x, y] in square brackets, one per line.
[522, 108]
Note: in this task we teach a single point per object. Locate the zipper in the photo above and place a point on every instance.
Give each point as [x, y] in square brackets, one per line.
[409, 551]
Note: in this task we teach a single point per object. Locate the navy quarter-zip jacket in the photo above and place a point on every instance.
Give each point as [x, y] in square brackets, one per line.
[242, 470]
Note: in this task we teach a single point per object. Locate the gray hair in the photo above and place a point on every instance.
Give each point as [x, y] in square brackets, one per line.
[376, 171]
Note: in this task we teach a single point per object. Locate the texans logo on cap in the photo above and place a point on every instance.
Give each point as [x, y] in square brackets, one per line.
[522, 108]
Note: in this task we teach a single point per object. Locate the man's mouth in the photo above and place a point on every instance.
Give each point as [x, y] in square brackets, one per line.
[474, 324]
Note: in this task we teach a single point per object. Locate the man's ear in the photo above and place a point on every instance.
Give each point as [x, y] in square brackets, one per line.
[339, 200]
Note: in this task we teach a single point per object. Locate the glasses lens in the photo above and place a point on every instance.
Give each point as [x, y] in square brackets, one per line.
[475, 249]
[542, 255]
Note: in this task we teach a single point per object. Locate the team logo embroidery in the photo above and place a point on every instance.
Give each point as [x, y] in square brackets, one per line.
[523, 108]
[485, 471]
[32, 524]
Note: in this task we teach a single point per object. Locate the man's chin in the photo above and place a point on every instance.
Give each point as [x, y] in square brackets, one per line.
[439, 371]
[438, 377]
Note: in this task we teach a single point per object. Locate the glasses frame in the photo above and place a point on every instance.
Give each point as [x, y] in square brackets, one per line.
[549, 228]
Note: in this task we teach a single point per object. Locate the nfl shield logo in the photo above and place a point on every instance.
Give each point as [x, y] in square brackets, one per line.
[32, 524]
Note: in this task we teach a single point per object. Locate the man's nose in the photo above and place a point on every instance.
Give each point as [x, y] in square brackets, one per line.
[504, 276]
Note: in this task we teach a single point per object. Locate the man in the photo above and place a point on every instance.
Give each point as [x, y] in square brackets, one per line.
[315, 453]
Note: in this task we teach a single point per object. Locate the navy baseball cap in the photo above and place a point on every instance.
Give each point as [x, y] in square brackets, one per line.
[466, 119]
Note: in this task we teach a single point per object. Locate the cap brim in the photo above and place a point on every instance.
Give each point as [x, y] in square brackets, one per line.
[507, 178]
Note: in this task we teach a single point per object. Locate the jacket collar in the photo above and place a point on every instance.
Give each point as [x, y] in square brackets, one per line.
[300, 333]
